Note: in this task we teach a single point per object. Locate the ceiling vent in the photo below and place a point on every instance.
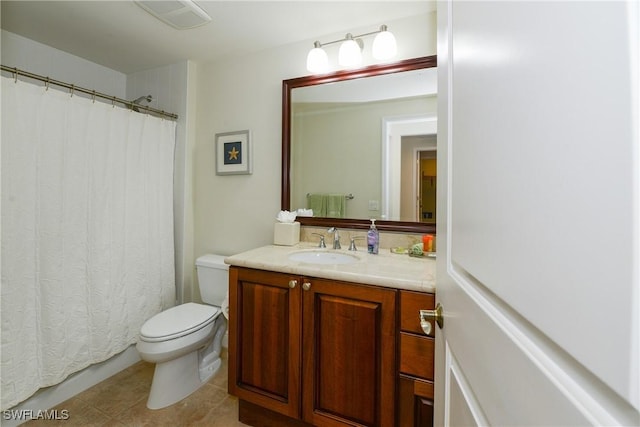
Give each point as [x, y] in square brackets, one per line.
[180, 14]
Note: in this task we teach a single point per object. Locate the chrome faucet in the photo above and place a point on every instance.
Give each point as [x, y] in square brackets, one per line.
[321, 244]
[352, 245]
[336, 237]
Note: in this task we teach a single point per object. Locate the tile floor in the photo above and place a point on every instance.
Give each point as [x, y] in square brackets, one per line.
[121, 401]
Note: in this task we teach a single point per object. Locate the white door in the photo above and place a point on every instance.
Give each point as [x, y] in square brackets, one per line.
[538, 213]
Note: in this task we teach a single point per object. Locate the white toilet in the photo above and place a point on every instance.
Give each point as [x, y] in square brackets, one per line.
[185, 341]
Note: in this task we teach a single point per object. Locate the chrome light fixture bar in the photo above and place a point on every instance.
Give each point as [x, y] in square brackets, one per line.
[350, 53]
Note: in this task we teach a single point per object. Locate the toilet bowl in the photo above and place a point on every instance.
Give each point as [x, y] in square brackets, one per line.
[185, 341]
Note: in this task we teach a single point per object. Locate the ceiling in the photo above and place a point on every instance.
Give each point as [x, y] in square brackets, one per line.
[122, 36]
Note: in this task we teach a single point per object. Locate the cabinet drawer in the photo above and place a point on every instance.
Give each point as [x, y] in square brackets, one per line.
[410, 305]
[416, 355]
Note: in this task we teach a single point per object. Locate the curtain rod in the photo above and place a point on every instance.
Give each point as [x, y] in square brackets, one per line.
[73, 88]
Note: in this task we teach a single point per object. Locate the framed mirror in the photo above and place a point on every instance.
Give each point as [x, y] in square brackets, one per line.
[306, 173]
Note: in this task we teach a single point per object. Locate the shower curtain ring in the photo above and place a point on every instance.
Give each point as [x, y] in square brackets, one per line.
[72, 88]
[93, 97]
[113, 102]
[15, 74]
[46, 85]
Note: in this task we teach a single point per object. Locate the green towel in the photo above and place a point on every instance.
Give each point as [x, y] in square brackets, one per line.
[336, 205]
[327, 205]
[318, 203]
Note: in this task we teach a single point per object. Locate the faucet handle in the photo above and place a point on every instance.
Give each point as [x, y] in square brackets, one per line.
[321, 244]
[352, 245]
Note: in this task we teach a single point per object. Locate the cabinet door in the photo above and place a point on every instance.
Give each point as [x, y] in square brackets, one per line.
[349, 357]
[415, 402]
[265, 339]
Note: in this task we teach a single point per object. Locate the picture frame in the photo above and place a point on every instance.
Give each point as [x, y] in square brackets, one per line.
[233, 153]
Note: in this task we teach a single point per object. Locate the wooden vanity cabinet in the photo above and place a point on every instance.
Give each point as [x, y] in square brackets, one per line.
[264, 339]
[415, 378]
[310, 351]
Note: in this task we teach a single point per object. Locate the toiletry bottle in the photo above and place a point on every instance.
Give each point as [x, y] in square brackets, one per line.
[427, 241]
[373, 238]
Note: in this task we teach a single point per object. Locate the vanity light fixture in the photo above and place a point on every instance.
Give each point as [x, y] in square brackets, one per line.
[317, 60]
[350, 53]
[384, 45]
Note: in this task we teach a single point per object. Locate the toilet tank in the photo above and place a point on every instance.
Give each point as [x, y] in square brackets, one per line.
[213, 278]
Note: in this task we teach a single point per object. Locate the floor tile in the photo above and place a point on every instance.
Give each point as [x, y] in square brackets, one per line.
[122, 401]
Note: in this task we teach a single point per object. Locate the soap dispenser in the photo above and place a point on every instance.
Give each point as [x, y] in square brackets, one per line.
[373, 238]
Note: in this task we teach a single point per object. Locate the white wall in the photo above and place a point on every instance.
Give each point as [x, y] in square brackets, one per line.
[235, 213]
[38, 58]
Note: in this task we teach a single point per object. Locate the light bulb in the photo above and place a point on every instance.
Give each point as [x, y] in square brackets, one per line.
[317, 60]
[349, 54]
[384, 45]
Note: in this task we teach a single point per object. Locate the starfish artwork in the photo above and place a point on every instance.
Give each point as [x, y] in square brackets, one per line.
[233, 153]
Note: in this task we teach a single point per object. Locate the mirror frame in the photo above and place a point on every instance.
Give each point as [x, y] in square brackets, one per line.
[370, 71]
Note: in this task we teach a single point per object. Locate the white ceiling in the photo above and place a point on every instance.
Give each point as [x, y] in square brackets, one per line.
[122, 36]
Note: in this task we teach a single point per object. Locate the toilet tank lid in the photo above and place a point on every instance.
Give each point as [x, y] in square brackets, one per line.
[212, 261]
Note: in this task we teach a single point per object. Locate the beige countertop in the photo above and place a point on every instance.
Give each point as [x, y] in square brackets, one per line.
[385, 269]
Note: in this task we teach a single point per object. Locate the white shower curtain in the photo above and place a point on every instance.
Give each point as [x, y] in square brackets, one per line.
[87, 232]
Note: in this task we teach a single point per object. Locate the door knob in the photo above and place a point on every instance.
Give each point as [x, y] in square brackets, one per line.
[427, 315]
[293, 283]
[426, 326]
[306, 286]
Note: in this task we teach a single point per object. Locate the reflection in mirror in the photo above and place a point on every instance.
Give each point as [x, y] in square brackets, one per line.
[361, 144]
[405, 141]
[427, 182]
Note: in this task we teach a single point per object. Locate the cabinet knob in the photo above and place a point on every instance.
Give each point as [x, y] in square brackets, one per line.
[426, 315]
[293, 283]
[306, 286]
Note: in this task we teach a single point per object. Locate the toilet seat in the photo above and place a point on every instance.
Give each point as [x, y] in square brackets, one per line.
[178, 321]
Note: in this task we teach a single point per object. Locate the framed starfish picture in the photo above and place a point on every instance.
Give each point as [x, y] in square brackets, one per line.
[233, 153]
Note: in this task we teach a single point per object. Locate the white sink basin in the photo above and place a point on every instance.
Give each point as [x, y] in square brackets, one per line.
[323, 257]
